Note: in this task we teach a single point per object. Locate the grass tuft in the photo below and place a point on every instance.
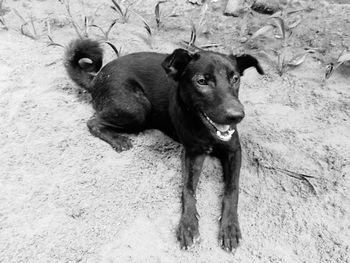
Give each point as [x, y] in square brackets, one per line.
[27, 28]
[105, 33]
[123, 13]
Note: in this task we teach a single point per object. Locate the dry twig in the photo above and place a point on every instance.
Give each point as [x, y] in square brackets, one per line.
[300, 176]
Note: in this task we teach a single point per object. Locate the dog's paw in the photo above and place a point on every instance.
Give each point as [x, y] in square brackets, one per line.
[229, 233]
[187, 232]
[121, 143]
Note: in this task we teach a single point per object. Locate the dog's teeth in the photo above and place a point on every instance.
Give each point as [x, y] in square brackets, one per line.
[225, 136]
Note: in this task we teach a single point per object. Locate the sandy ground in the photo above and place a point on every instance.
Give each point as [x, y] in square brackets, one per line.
[66, 196]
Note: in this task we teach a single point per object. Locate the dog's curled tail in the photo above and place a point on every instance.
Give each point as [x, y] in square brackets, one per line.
[83, 59]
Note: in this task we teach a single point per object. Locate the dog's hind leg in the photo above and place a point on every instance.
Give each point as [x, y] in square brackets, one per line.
[123, 115]
[108, 134]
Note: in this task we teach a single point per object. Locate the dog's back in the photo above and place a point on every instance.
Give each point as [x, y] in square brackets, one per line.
[140, 73]
[137, 74]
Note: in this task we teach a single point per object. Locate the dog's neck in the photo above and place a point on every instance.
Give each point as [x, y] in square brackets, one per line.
[186, 109]
[186, 116]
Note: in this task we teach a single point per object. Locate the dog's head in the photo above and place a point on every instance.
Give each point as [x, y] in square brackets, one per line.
[209, 84]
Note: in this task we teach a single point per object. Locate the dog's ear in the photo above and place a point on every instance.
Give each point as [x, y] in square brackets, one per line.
[246, 61]
[175, 64]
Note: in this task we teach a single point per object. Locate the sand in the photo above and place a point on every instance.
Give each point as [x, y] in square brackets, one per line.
[66, 196]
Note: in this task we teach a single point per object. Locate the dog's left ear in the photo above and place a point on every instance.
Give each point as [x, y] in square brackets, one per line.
[175, 64]
[246, 61]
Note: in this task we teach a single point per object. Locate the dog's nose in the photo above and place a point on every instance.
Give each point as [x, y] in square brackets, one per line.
[234, 116]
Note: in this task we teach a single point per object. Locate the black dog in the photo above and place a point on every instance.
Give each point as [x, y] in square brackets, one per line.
[193, 98]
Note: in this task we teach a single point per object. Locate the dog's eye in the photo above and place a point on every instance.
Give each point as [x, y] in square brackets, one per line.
[234, 79]
[202, 81]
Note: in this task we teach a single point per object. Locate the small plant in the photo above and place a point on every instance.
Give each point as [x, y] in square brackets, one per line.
[117, 52]
[343, 57]
[49, 36]
[81, 31]
[124, 13]
[202, 16]
[3, 11]
[147, 27]
[149, 38]
[283, 35]
[105, 33]
[196, 29]
[3, 23]
[193, 35]
[281, 23]
[157, 12]
[27, 28]
[190, 45]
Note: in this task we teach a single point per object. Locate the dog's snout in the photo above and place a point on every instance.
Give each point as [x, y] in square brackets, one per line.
[234, 115]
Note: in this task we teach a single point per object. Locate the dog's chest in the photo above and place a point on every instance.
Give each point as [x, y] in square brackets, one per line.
[202, 149]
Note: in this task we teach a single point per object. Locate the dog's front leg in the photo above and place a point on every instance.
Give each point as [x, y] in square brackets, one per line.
[230, 233]
[188, 232]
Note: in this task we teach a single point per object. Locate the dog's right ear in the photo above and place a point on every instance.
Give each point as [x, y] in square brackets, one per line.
[246, 61]
[175, 64]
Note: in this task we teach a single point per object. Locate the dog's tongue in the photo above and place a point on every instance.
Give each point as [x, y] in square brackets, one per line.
[222, 128]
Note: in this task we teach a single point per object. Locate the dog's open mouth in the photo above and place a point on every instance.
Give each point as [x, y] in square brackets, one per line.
[223, 132]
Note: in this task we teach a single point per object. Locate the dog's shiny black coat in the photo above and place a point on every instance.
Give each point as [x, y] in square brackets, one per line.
[193, 98]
